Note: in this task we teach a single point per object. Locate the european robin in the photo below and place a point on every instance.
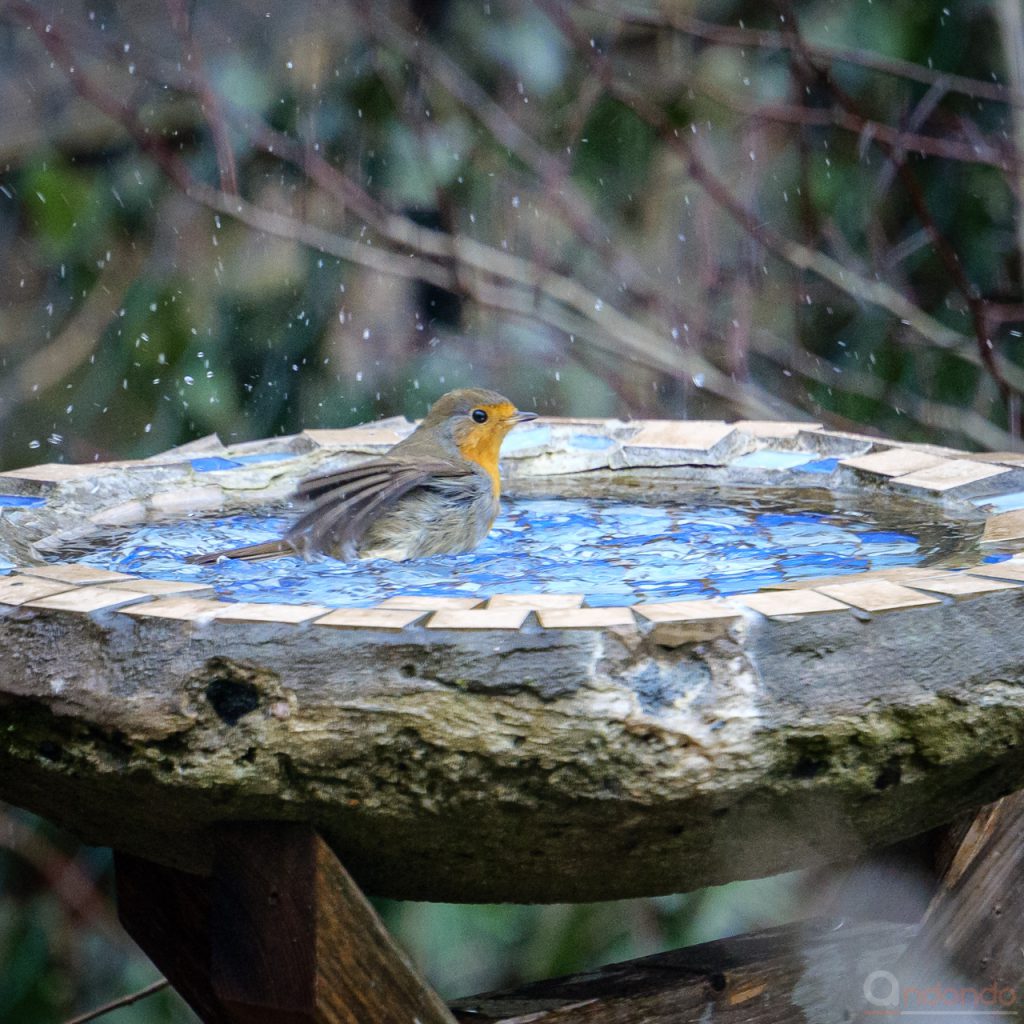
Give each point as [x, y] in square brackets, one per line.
[435, 493]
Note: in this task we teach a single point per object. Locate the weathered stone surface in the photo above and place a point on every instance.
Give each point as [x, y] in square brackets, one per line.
[454, 763]
[539, 765]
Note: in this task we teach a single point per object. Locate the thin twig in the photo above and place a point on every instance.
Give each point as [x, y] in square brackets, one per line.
[727, 35]
[123, 1001]
[944, 248]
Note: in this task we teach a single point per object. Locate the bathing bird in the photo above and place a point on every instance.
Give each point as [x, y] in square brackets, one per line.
[435, 493]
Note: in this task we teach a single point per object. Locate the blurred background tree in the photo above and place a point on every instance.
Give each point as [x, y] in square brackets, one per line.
[249, 219]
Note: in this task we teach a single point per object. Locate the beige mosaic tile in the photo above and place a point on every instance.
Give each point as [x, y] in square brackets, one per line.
[254, 612]
[211, 444]
[960, 585]
[689, 611]
[672, 443]
[431, 604]
[585, 618]
[161, 588]
[536, 601]
[387, 619]
[1006, 458]
[950, 473]
[773, 428]
[127, 513]
[357, 437]
[17, 590]
[53, 472]
[187, 609]
[75, 573]
[479, 618]
[686, 435]
[877, 595]
[898, 574]
[87, 599]
[781, 603]
[1009, 570]
[1004, 526]
[893, 462]
[187, 499]
[688, 622]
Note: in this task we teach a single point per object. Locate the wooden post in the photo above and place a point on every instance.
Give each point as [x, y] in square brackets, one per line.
[280, 933]
[968, 953]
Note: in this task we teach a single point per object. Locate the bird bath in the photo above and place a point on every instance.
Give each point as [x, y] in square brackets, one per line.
[698, 651]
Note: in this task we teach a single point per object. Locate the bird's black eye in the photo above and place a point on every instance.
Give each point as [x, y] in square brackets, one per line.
[479, 416]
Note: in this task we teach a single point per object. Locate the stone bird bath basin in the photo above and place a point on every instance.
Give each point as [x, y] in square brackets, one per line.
[499, 744]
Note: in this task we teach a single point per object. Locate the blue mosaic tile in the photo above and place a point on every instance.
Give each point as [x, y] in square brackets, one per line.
[997, 558]
[614, 552]
[249, 460]
[818, 466]
[519, 440]
[1001, 502]
[591, 442]
[767, 458]
[881, 537]
[20, 501]
[213, 462]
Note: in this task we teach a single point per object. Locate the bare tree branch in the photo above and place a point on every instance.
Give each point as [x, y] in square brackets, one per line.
[117, 1004]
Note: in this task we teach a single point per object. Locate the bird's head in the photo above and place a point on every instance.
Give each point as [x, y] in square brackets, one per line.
[475, 421]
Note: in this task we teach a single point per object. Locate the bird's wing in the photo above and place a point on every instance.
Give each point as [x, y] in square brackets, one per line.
[347, 502]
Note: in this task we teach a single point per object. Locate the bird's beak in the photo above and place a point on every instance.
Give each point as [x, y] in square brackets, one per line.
[523, 417]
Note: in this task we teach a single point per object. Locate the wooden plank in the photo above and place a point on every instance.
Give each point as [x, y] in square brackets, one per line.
[877, 596]
[812, 971]
[167, 913]
[969, 939]
[294, 941]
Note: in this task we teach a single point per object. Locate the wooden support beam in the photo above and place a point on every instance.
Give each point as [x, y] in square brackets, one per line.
[167, 912]
[810, 971]
[280, 933]
[967, 954]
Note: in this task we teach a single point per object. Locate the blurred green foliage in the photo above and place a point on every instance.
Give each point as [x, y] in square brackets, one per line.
[136, 312]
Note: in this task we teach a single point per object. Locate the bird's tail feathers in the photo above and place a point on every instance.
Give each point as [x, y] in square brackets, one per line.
[251, 552]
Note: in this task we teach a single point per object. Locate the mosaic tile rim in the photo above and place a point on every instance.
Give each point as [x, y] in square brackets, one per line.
[763, 452]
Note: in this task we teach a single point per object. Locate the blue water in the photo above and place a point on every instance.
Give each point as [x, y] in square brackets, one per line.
[611, 551]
